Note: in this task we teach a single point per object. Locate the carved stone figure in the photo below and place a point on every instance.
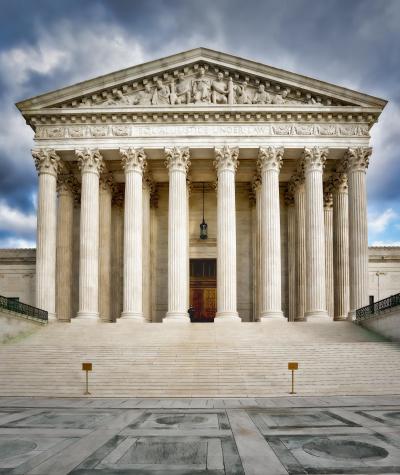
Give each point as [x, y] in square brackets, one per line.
[201, 87]
[242, 95]
[261, 96]
[144, 97]
[220, 90]
[161, 94]
[280, 98]
[182, 91]
[120, 99]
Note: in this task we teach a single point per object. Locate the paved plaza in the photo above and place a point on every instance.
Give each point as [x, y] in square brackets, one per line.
[287, 435]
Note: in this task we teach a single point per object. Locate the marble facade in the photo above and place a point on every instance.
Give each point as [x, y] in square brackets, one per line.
[284, 158]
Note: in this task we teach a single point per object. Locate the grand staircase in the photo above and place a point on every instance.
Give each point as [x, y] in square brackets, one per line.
[200, 360]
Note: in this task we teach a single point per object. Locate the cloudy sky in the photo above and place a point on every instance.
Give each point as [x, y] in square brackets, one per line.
[47, 44]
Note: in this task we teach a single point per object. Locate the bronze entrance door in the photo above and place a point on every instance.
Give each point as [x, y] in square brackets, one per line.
[203, 289]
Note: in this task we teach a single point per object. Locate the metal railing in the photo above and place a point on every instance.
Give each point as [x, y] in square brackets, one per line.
[32, 313]
[376, 308]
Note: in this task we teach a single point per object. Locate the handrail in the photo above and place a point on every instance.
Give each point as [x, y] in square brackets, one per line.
[28, 311]
[376, 308]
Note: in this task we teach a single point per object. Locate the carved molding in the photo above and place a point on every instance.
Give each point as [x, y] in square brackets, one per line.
[90, 161]
[357, 159]
[133, 159]
[270, 158]
[46, 161]
[314, 159]
[177, 159]
[226, 158]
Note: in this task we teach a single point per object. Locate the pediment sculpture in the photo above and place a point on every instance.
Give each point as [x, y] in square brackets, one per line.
[200, 88]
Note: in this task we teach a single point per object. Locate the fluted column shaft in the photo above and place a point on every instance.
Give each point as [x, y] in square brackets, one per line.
[291, 249]
[65, 239]
[146, 249]
[91, 165]
[341, 246]
[226, 162]
[256, 190]
[301, 261]
[47, 163]
[117, 252]
[314, 161]
[177, 161]
[357, 164]
[328, 224]
[270, 162]
[134, 163]
[106, 184]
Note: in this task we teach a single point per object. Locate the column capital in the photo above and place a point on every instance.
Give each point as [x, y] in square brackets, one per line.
[289, 194]
[106, 182]
[66, 183]
[357, 159]
[118, 195]
[90, 161]
[46, 161]
[328, 199]
[270, 158]
[177, 159]
[338, 182]
[133, 159]
[148, 181]
[226, 158]
[314, 158]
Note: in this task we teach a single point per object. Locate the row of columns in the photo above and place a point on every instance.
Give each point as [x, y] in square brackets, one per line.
[310, 280]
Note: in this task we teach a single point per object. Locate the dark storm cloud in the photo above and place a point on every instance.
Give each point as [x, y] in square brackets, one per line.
[48, 44]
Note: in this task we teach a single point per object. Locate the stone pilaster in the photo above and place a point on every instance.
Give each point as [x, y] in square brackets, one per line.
[328, 224]
[270, 162]
[301, 261]
[291, 253]
[134, 163]
[341, 245]
[357, 160]
[47, 164]
[314, 162]
[148, 186]
[117, 251]
[178, 162]
[91, 165]
[66, 188]
[226, 163]
[106, 189]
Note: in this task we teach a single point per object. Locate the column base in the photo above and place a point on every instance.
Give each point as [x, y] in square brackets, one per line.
[176, 317]
[89, 317]
[52, 317]
[300, 319]
[351, 316]
[272, 315]
[221, 317]
[317, 315]
[340, 318]
[131, 317]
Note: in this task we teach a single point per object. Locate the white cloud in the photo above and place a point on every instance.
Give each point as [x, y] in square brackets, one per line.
[379, 222]
[14, 220]
[16, 243]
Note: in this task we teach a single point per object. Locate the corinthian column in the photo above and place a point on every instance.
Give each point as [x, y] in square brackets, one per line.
[314, 162]
[301, 261]
[134, 163]
[117, 251]
[328, 228]
[66, 188]
[47, 164]
[106, 186]
[148, 186]
[291, 249]
[91, 165]
[226, 163]
[357, 161]
[270, 163]
[340, 245]
[256, 188]
[178, 162]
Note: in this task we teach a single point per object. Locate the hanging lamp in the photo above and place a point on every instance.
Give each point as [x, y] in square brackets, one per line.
[203, 224]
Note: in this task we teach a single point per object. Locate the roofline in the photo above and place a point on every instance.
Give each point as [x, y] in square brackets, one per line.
[205, 54]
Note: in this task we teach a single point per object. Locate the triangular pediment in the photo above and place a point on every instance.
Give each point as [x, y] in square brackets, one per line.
[200, 77]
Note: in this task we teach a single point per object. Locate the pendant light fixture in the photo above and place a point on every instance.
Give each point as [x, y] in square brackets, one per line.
[203, 224]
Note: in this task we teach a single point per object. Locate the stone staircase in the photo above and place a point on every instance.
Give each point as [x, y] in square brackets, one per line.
[200, 360]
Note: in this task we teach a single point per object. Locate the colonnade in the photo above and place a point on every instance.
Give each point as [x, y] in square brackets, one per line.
[321, 229]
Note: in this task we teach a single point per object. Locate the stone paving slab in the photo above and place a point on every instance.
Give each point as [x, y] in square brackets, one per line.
[238, 436]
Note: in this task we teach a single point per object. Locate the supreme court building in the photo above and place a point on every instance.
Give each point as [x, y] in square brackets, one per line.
[130, 165]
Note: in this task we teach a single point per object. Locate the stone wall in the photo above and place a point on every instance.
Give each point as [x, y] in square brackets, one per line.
[17, 274]
[386, 324]
[12, 327]
[384, 272]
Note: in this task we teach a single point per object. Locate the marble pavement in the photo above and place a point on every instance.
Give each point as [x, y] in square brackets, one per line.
[259, 436]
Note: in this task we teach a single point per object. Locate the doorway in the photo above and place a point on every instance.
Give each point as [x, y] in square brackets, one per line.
[203, 289]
